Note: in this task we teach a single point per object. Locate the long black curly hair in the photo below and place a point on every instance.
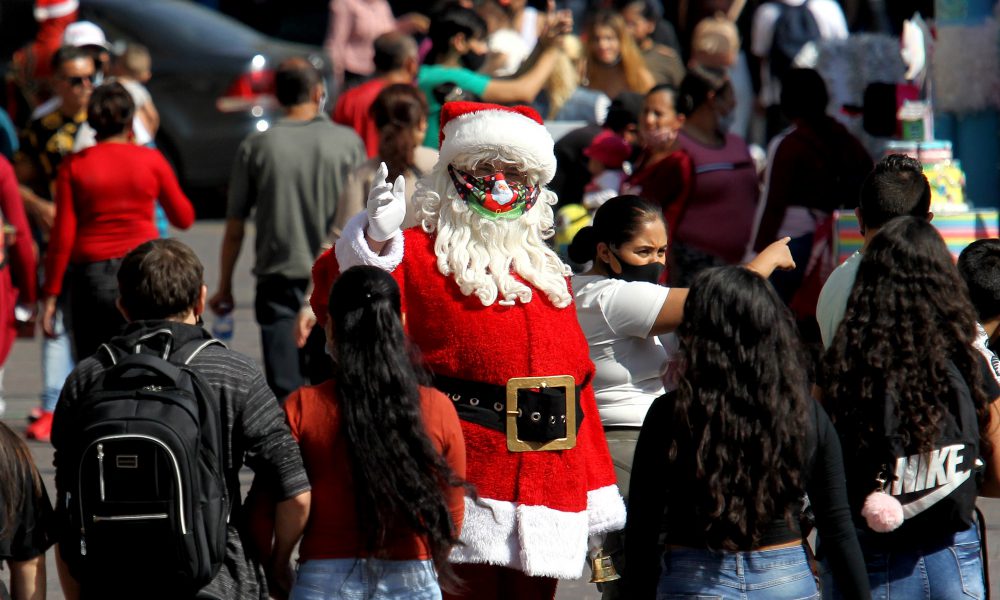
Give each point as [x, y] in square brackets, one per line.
[741, 410]
[908, 317]
[399, 477]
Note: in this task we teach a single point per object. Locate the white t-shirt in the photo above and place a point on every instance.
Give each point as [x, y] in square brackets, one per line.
[833, 298]
[829, 19]
[616, 316]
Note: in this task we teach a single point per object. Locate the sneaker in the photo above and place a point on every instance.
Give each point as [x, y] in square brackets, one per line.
[41, 429]
[35, 414]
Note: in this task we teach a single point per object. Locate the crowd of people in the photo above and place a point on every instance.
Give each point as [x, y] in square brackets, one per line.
[492, 356]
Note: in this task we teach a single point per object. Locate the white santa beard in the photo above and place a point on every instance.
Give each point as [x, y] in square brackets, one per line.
[483, 254]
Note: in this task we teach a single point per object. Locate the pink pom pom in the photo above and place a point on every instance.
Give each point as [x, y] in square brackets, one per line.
[882, 512]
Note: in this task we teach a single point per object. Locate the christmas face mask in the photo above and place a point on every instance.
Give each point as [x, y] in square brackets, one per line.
[493, 196]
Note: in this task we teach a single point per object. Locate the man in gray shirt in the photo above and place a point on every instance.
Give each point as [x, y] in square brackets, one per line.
[291, 176]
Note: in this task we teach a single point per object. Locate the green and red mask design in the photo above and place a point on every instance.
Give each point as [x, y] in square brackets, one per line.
[493, 196]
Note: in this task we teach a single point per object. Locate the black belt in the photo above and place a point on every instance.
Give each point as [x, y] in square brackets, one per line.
[541, 411]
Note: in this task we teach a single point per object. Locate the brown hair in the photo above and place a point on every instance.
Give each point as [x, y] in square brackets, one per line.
[16, 468]
[632, 64]
[398, 110]
[159, 280]
[110, 110]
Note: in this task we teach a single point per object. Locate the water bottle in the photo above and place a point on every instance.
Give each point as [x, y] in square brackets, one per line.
[222, 326]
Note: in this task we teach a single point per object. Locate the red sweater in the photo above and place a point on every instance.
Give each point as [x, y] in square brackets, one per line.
[332, 531]
[104, 206]
[352, 110]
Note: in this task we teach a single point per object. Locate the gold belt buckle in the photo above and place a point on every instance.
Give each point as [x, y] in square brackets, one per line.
[515, 444]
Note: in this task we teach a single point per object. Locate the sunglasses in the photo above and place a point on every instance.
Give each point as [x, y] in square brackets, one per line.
[78, 81]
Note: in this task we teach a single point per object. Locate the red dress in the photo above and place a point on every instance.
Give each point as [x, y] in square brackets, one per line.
[544, 504]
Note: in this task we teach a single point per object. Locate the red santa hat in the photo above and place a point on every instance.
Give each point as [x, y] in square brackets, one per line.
[54, 9]
[470, 126]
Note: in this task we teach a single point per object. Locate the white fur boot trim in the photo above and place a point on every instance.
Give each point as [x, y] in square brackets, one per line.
[352, 248]
[605, 509]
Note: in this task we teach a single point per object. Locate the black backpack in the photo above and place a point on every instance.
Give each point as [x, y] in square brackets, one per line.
[795, 27]
[147, 493]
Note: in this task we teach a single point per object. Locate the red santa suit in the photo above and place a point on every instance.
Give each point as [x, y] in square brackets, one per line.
[537, 508]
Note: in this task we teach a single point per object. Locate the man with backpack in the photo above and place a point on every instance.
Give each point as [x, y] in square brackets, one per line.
[783, 36]
[150, 434]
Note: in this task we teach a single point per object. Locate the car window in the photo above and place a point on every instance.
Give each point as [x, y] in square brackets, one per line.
[171, 24]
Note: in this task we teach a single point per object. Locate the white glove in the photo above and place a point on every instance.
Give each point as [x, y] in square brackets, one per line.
[386, 206]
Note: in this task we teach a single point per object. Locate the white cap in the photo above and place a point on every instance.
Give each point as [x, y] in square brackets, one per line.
[85, 33]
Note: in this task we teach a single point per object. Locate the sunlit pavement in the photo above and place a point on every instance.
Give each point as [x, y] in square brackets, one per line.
[21, 383]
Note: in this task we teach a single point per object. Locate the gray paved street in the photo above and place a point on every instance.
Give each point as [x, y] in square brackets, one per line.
[21, 384]
[22, 376]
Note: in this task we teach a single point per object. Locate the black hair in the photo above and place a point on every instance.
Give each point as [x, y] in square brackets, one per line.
[908, 319]
[391, 51]
[696, 87]
[649, 11]
[624, 111]
[398, 475]
[20, 482]
[295, 80]
[160, 279]
[979, 266]
[448, 23]
[110, 110]
[616, 222]
[67, 54]
[740, 416]
[804, 95]
[896, 187]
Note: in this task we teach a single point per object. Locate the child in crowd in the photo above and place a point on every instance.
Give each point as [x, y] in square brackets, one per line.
[133, 68]
[606, 156]
[979, 266]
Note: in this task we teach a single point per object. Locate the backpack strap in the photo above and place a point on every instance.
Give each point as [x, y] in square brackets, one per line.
[186, 353]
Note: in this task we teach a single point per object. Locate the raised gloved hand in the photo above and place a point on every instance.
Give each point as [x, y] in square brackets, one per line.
[386, 206]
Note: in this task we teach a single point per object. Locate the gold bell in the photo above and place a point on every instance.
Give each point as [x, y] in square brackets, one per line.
[603, 569]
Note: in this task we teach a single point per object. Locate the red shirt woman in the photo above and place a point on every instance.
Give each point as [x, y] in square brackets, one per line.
[105, 197]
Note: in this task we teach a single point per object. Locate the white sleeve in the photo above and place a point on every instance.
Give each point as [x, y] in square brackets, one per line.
[762, 30]
[830, 19]
[352, 247]
[631, 307]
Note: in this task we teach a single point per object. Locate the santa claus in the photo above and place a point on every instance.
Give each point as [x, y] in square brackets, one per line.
[488, 303]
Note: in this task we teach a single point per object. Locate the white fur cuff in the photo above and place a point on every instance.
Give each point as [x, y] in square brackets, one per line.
[352, 247]
[605, 509]
[537, 540]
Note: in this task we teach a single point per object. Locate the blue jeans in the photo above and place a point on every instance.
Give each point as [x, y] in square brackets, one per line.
[944, 571]
[361, 579]
[57, 363]
[765, 574]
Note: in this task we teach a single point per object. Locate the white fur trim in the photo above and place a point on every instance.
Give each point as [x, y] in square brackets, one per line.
[605, 509]
[55, 10]
[553, 543]
[488, 537]
[352, 247]
[540, 541]
[500, 128]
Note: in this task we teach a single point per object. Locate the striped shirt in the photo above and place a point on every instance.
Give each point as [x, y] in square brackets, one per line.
[255, 434]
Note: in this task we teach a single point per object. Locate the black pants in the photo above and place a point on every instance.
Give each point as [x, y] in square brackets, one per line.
[286, 366]
[92, 317]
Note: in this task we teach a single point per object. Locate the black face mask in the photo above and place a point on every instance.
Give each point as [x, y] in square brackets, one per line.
[473, 61]
[650, 273]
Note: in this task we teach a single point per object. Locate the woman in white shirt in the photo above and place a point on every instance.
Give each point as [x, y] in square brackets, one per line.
[627, 316]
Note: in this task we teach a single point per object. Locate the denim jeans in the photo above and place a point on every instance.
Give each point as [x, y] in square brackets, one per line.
[948, 570]
[57, 363]
[361, 579]
[765, 574]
